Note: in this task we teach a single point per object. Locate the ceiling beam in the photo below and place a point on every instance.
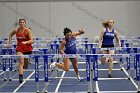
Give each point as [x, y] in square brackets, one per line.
[58, 0]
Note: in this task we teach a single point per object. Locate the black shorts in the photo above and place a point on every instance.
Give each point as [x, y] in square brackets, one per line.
[107, 46]
[25, 53]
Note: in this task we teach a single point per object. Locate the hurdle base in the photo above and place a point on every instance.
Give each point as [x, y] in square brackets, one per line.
[46, 92]
[54, 70]
[10, 79]
[138, 91]
[128, 78]
[5, 79]
[37, 91]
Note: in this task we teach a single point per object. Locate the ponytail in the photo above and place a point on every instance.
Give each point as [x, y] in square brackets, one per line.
[105, 24]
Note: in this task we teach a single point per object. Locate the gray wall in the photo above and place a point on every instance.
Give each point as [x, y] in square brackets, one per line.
[49, 18]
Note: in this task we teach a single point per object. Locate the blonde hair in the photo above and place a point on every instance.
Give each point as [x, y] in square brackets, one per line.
[111, 19]
[105, 24]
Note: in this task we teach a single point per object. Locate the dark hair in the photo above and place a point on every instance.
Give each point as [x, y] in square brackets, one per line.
[105, 24]
[21, 20]
[66, 30]
[29, 28]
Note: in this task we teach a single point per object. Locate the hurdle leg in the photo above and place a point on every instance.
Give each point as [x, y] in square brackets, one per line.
[46, 88]
[37, 74]
[135, 66]
[135, 63]
[46, 73]
[51, 50]
[15, 69]
[89, 87]
[55, 70]
[95, 87]
[10, 66]
[4, 68]
[121, 63]
[57, 59]
[91, 78]
[10, 78]
[138, 91]
[135, 75]
[5, 74]
[86, 49]
[129, 74]
[37, 86]
[138, 72]
[128, 66]
[55, 73]
[88, 73]
[95, 65]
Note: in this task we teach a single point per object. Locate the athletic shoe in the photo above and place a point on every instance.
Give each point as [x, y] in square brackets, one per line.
[78, 77]
[53, 66]
[20, 79]
[109, 76]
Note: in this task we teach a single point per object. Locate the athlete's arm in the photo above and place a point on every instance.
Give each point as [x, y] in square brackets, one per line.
[117, 39]
[10, 38]
[81, 31]
[100, 38]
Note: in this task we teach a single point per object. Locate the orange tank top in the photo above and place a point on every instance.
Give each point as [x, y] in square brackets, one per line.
[23, 37]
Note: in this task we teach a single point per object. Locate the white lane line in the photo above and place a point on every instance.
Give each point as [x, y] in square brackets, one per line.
[25, 81]
[130, 78]
[65, 77]
[57, 88]
[112, 78]
[4, 71]
[118, 91]
[107, 69]
[97, 87]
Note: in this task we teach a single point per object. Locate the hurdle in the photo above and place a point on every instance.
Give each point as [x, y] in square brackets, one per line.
[89, 46]
[89, 72]
[128, 51]
[11, 51]
[10, 57]
[6, 51]
[130, 42]
[138, 71]
[89, 68]
[124, 50]
[95, 75]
